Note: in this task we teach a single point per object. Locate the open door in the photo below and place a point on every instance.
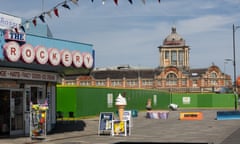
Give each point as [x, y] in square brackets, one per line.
[4, 112]
[16, 113]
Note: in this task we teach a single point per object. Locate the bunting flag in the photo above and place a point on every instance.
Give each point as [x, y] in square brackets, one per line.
[34, 21]
[131, 2]
[66, 6]
[22, 27]
[16, 30]
[55, 10]
[41, 17]
[116, 2]
[27, 25]
[75, 2]
[49, 14]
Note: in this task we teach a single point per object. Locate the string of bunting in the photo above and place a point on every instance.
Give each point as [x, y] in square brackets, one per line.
[55, 10]
[130, 1]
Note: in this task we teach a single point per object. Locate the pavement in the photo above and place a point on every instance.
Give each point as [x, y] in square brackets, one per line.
[144, 130]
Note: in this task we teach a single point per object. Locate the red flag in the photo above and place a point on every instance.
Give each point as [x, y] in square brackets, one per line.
[116, 2]
[56, 12]
[34, 21]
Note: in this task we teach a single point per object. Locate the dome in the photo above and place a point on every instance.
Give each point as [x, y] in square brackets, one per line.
[174, 38]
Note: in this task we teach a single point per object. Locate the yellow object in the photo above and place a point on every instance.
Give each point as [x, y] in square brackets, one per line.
[119, 127]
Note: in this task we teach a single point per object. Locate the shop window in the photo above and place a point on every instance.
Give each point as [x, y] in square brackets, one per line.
[34, 98]
[37, 95]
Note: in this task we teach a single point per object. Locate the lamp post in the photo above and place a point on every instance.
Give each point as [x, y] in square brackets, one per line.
[234, 64]
[234, 56]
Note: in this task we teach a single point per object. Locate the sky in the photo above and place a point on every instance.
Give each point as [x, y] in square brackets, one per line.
[130, 34]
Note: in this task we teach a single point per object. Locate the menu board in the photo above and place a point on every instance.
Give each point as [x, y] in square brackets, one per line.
[105, 123]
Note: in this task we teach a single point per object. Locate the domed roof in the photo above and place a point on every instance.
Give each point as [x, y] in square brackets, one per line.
[174, 38]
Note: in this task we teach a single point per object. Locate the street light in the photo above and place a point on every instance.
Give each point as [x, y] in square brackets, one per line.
[234, 63]
[234, 57]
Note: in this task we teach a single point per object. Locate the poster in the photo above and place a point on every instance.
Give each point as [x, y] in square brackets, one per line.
[186, 100]
[120, 128]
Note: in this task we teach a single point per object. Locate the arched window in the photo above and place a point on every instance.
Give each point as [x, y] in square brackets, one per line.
[171, 79]
[213, 78]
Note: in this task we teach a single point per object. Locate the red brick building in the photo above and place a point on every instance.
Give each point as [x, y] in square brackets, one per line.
[173, 74]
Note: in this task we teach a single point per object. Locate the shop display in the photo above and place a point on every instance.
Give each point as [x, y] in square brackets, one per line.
[38, 123]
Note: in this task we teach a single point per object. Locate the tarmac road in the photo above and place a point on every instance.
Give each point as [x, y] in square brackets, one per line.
[143, 130]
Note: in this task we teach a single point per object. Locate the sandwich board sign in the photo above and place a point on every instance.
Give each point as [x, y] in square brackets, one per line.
[122, 128]
[105, 123]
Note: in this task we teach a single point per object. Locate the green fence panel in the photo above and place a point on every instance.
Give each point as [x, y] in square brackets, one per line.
[185, 100]
[90, 101]
[66, 100]
[224, 100]
[86, 101]
[203, 100]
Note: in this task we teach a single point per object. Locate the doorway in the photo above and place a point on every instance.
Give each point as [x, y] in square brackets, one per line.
[11, 112]
[16, 113]
[4, 112]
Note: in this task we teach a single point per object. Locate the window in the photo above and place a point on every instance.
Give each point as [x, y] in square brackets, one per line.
[180, 58]
[116, 82]
[131, 82]
[171, 79]
[85, 83]
[174, 58]
[194, 83]
[70, 82]
[147, 82]
[213, 78]
[167, 55]
[159, 82]
[184, 82]
[101, 83]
